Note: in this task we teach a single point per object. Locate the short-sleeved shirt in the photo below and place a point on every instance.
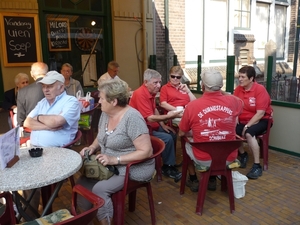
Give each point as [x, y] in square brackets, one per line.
[257, 98]
[120, 142]
[212, 117]
[144, 102]
[64, 105]
[173, 95]
[105, 77]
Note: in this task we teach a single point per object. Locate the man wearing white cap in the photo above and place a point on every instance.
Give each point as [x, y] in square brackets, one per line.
[54, 120]
[211, 117]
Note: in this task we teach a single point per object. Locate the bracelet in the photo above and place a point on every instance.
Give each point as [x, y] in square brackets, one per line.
[246, 126]
[119, 161]
[38, 118]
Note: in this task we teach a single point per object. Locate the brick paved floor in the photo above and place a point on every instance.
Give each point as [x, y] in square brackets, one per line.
[272, 199]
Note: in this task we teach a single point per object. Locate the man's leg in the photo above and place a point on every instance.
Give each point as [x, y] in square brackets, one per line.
[168, 155]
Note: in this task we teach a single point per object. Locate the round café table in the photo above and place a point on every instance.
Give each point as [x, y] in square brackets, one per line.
[53, 167]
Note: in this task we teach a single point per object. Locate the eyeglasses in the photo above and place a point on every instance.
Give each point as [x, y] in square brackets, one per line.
[177, 77]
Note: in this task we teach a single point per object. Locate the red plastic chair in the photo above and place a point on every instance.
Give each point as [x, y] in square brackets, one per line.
[219, 151]
[131, 186]
[78, 219]
[7, 213]
[88, 133]
[264, 144]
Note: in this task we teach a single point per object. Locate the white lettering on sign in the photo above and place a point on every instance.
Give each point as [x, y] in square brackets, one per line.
[11, 22]
[56, 24]
[20, 46]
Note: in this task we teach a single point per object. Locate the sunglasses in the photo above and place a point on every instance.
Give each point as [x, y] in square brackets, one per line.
[177, 77]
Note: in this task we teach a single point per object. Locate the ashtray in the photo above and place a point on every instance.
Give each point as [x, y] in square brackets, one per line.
[35, 152]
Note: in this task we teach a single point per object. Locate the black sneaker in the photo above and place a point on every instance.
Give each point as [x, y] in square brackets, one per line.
[244, 159]
[255, 172]
[212, 183]
[172, 172]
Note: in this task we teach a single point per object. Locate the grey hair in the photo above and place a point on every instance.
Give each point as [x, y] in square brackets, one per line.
[149, 74]
[19, 76]
[115, 89]
[67, 65]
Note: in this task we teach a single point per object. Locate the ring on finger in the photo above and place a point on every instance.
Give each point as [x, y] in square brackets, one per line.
[102, 161]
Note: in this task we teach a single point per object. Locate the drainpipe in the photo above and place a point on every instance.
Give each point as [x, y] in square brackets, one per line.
[167, 41]
[144, 40]
[293, 89]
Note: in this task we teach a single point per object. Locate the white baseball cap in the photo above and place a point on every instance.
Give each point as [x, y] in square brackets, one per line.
[212, 79]
[51, 77]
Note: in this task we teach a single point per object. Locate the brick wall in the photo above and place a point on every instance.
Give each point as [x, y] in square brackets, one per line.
[176, 46]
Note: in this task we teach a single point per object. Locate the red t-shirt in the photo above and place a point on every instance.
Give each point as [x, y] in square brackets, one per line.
[144, 102]
[212, 117]
[257, 98]
[173, 96]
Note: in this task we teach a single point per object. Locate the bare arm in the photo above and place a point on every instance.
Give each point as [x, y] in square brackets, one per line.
[93, 148]
[167, 106]
[158, 118]
[143, 148]
[45, 122]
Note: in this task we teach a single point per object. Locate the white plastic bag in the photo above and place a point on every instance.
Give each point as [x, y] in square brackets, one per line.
[87, 102]
[239, 181]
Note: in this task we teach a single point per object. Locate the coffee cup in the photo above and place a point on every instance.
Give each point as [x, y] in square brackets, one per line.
[179, 108]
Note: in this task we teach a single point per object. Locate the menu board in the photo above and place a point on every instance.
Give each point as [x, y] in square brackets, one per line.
[19, 39]
[58, 34]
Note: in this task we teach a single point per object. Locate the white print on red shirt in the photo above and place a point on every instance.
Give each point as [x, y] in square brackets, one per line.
[252, 101]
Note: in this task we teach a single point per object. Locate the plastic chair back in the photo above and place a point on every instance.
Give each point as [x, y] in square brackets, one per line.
[7, 213]
[130, 187]
[219, 151]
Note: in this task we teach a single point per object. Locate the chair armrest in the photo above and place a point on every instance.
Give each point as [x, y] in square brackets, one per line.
[88, 195]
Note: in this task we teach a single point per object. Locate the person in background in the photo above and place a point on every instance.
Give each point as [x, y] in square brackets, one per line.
[54, 120]
[211, 117]
[72, 86]
[112, 72]
[254, 119]
[123, 137]
[30, 95]
[174, 93]
[10, 96]
[143, 100]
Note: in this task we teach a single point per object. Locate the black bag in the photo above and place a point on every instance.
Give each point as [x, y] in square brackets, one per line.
[91, 168]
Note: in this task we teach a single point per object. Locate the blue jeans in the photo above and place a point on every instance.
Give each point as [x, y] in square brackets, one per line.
[168, 155]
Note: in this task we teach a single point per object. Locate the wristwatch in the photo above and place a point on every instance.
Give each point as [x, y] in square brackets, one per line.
[246, 126]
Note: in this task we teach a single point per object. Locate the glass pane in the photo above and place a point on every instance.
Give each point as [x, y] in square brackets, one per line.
[97, 5]
[67, 4]
[246, 5]
[246, 20]
[237, 19]
[237, 4]
[86, 46]
[84, 5]
[262, 17]
[52, 3]
[280, 17]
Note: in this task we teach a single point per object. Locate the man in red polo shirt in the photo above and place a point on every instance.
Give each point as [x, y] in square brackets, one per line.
[209, 118]
[143, 99]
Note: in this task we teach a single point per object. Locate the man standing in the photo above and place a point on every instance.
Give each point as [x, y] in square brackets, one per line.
[112, 72]
[211, 117]
[143, 100]
[54, 120]
[30, 95]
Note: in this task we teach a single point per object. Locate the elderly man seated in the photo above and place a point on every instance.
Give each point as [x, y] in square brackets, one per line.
[54, 120]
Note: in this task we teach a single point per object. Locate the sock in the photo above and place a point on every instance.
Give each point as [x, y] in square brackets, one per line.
[193, 177]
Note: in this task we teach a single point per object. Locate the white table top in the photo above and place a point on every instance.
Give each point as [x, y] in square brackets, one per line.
[53, 166]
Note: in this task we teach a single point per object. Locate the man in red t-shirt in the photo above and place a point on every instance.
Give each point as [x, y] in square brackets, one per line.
[211, 117]
[254, 119]
[143, 99]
